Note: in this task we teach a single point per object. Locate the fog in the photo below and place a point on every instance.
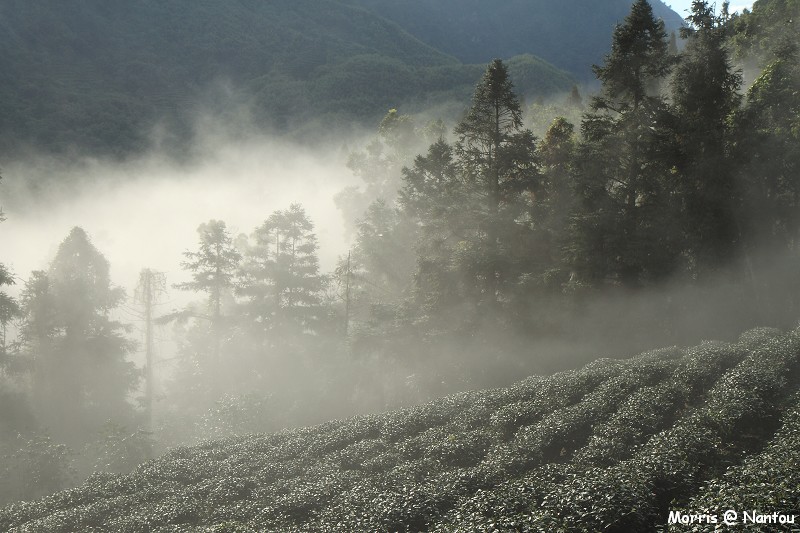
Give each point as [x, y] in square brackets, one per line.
[144, 212]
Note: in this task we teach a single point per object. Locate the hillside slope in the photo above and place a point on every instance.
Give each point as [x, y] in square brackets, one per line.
[613, 446]
[570, 34]
[99, 75]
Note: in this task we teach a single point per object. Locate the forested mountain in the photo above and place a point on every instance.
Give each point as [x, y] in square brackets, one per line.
[101, 76]
[570, 34]
[98, 76]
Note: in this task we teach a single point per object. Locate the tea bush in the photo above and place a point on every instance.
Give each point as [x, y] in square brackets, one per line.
[609, 447]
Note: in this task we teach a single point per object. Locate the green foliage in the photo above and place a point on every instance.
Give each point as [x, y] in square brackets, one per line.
[774, 111]
[551, 212]
[376, 274]
[213, 265]
[611, 446]
[115, 449]
[103, 80]
[379, 165]
[570, 34]
[638, 60]
[763, 481]
[469, 198]
[625, 227]
[279, 276]
[33, 466]
[264, 356]
[705, 94]
[493, 233]
[768, 31]
[10, 309]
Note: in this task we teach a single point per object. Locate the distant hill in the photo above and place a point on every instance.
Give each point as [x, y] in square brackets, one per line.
[570, 34]
[98, 75]
[614, 446]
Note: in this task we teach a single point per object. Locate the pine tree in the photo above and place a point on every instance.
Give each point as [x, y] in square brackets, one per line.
[705, 95]
[575, 100]
[497, 160]
[638, 61]
[15, 414]
[382, 258]
[213, 267]
[624, 176]
[279, 276]
[9, 310]
[766, 141]
[378, 166]
[672, 48]
[81, 376]
[769, 135]
[555, 204]
[443, 205]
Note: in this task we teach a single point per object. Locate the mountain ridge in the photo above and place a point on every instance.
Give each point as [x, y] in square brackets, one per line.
[99, 77]
[476, 31]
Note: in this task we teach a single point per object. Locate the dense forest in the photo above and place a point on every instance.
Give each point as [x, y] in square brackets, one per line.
[662, 209]
[116, 78]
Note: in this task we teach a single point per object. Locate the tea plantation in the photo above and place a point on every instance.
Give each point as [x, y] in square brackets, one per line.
[614, 446]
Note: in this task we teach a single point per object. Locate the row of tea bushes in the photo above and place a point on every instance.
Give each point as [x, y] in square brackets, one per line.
[609, 447]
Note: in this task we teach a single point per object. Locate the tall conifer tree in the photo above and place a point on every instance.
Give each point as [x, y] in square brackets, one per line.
[81, 376]
[624, 219]
[213, 267]
[497, 159]
[705, 95]
[279, 276]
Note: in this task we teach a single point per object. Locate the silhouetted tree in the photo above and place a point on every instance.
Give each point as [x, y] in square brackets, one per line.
[15, 413]
[213, 267]
[624, 222]
[9, 309]
[378, 166]
[382, 259]
[82, 377]
[769, 135]
[497, 161]
[705, 94]
[279, 276]
[555, 203]
[766, 144]
[638, 61]
[444, 207]
[575, 99]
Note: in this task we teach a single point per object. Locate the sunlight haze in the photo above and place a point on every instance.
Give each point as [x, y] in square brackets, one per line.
[682, 7]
